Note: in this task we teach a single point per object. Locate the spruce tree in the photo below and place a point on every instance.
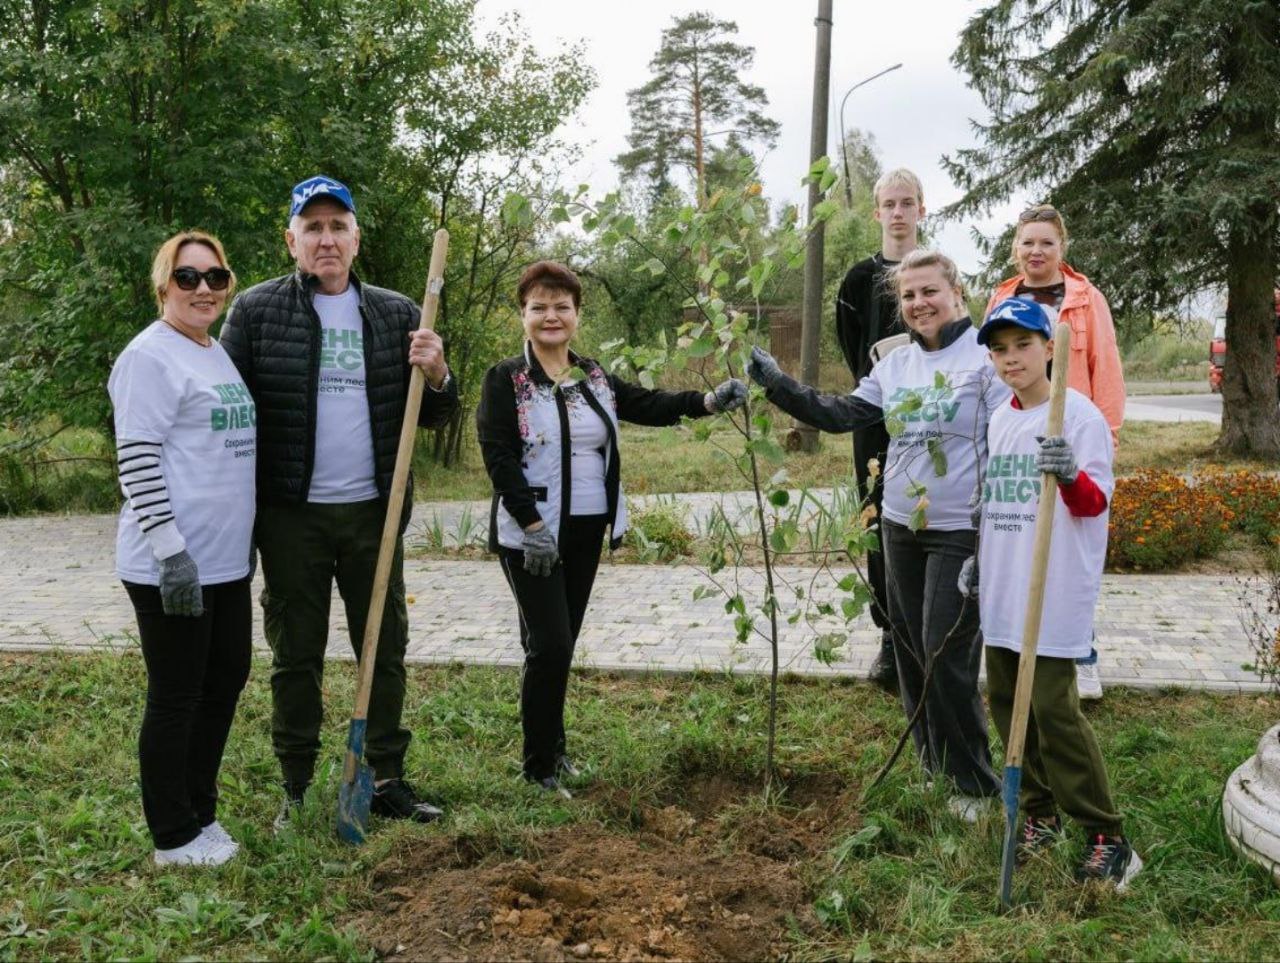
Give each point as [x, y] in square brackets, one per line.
[1154, 126]
[696, 92]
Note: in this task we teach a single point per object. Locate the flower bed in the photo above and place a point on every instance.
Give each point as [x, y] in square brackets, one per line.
[1158, 521]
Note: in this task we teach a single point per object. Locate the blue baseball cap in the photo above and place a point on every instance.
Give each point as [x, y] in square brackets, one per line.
[1021, 312]
[316, 187]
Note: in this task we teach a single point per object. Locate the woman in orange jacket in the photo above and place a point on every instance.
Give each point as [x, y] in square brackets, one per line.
[1039, 244]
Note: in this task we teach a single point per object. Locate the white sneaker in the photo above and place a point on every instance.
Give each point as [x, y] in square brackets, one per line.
[201, 851]
[968, 808]
[218, 834]
[1088, 681]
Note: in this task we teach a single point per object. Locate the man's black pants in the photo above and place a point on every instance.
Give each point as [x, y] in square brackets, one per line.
[929, 615]
[551, 609]
[305, 549]
[196, 668]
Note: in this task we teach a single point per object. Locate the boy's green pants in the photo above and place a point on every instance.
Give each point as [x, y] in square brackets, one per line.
[1062, 766]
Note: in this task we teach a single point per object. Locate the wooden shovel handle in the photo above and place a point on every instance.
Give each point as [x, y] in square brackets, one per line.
[404, 455]
[1040, 556]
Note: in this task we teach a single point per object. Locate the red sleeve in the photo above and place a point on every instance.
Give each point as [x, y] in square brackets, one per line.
[1082, 497]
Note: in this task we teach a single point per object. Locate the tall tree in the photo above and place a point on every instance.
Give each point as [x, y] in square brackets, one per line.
[697, 92]
[1154, 126]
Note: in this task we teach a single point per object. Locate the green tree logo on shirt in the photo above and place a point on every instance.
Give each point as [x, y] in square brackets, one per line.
[341, 349]
[236, 411]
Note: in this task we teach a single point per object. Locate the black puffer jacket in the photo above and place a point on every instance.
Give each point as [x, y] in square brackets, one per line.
[273, 335]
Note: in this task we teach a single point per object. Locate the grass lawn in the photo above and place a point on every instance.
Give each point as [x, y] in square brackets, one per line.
[669, 849]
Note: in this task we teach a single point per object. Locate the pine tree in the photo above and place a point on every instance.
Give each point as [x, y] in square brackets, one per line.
[1154, 126]
[696, 92]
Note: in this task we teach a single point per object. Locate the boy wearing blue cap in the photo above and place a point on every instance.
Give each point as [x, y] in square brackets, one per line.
[1062, 767]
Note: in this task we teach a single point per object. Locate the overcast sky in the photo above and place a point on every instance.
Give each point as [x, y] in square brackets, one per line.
[917, 113]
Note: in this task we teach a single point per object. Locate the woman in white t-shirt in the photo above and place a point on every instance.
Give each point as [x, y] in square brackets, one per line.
[185, 439]
[936, 394]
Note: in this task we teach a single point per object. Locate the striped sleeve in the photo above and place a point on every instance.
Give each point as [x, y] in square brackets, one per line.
[143, 484]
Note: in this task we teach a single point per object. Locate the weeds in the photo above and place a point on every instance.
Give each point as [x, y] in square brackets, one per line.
[899, 879]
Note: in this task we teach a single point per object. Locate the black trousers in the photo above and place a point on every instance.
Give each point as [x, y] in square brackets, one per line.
[925, 606]
[196, 669]
[551, 608]
[868, 443]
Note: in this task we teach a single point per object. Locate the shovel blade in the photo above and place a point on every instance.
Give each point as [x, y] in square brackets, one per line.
[355, 793]
[1012, 787]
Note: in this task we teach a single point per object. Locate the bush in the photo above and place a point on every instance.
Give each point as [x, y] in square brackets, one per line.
[1158, 521]
[1253, 498]
[30, 486]
[658, 532]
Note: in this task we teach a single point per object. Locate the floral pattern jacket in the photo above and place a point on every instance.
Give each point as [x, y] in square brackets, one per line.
[523, 424]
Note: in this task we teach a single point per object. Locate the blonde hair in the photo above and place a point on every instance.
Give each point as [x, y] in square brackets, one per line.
[899, 177]
[924, 258]
[1044, 214]
[167, 257]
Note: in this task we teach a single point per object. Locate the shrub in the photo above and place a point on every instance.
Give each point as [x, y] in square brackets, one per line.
[658, 532]
[1253, 498]
[1158, 521]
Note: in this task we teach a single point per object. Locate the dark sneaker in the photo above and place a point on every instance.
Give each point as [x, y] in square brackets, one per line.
[884, 670]
[289, 809]
[396, 799]
[1109, 859]
[565, 767]
[550, 784]
[1038, 833]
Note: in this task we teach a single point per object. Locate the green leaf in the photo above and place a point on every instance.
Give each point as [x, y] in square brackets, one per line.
[938, 456]
[655, 267]
[917, 522]
[894, 426]
[779, 498]
[646, 379]
[915, 489]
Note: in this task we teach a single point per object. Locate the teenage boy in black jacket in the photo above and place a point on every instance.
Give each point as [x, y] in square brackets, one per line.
[866, 312]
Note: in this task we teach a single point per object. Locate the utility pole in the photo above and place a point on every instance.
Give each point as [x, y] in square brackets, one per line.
[804, 436]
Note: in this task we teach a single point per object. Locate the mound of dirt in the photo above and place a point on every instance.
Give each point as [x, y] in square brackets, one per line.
[592, 894]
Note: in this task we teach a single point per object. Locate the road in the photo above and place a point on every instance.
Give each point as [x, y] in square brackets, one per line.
[1196, 407]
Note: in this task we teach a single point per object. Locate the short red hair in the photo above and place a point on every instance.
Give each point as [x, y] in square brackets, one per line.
[551, 275]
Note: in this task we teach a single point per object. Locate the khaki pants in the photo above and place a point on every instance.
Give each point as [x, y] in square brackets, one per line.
[1062, 766]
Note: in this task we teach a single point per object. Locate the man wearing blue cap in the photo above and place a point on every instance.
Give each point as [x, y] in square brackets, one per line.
[327, 359]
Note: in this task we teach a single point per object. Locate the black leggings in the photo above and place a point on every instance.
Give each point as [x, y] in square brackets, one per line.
[195, 671]
[925, 606]
[551, 608]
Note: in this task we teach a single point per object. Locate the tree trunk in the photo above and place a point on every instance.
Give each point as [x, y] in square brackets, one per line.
[1250, 418]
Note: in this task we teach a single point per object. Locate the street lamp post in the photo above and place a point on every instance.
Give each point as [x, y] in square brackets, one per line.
[844, 153]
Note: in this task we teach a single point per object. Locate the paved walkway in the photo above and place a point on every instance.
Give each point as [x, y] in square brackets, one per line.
[59, 591]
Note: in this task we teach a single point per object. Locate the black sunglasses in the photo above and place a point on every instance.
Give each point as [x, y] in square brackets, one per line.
[188, 278]
[1045, 213]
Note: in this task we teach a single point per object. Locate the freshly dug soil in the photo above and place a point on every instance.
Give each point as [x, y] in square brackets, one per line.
[683, 884]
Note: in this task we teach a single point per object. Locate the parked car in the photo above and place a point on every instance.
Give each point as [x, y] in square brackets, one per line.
[1218, 350]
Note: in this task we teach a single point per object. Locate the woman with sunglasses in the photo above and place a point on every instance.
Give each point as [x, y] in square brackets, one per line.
[186, 438]
[1039, 246]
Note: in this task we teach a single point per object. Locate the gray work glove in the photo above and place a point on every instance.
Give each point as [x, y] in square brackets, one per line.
[728, 395]
[967, 583]
[975, 507]
[1057, 458]
[763, 370]
[180, 586]
[540, 551]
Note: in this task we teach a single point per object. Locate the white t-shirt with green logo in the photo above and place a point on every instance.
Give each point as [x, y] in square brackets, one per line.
[343, 470]
[191, 401]
[1078, 549]
[958, 390]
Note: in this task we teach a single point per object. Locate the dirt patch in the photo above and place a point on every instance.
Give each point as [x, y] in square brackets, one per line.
[589, 894]
[708, 879]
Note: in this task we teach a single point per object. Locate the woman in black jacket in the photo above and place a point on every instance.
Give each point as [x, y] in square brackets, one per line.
[548, 427]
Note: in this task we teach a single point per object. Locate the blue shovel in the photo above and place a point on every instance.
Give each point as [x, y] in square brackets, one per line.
[355, 794]
[1031, 627]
